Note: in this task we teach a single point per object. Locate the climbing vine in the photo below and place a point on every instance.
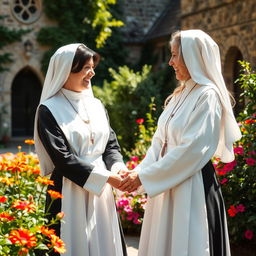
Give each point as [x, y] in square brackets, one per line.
[8, 36]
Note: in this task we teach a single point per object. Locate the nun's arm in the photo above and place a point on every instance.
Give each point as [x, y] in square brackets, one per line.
[63, 157]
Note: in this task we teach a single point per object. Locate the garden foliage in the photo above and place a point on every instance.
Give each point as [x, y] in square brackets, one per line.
[24, 229]
[128, 95]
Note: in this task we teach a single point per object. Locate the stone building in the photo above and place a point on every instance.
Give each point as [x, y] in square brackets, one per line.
[232, 24]
[21, 85]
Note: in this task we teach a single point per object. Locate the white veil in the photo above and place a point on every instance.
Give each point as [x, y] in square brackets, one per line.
[58, 71]
[202, 58]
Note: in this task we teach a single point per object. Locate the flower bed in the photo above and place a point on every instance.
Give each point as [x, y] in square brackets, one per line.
[23, 225]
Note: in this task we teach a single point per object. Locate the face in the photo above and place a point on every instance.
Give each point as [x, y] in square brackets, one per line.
[177, 63]
[81, 80]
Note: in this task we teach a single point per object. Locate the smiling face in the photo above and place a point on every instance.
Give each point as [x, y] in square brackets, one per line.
[177, 62]
[80, 81]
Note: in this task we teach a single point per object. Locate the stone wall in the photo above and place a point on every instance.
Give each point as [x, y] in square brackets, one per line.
[231, 23]
[21, 57]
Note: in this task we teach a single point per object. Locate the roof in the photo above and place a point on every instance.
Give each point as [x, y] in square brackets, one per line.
[167, 23]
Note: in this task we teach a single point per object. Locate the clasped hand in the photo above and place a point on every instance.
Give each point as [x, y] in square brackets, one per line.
[127, 181]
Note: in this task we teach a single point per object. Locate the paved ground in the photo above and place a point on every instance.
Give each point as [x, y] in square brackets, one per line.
[132, 242]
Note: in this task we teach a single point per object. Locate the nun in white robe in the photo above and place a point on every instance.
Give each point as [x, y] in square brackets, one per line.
[185, 213]
[79, 166]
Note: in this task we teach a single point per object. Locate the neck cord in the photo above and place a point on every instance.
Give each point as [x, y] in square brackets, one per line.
[174, 111]
[86, 121]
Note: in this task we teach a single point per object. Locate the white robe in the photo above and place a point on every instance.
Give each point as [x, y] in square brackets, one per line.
[175, 220]
[90, 225]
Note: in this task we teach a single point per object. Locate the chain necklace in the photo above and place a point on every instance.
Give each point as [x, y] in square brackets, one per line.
[174, 111]
[87, 121]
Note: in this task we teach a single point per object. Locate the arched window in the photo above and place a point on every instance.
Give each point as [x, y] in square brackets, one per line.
[231, 73]
[26, 11]
[25, 96]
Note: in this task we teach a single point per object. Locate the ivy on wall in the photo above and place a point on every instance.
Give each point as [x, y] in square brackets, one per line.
[91, 22]
[8, 36]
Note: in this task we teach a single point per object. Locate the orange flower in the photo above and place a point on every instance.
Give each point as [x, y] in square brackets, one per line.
[24, 205]
[22, 237]
[36, 171]
[60, 215]
[30, 142]
[54, 194]
[58, 244]
[5, 216]
[23, 251]
[7, 181]
[46, 231]
[45, 180]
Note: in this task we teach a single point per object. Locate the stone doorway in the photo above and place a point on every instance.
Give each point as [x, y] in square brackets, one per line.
[231, 72]
[25, 96]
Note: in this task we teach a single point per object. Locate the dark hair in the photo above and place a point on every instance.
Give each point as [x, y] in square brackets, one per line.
[82, 55]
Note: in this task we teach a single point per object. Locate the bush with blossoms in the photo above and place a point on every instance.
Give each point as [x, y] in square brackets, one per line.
[238, 179]
[131, 206]
[24, 229]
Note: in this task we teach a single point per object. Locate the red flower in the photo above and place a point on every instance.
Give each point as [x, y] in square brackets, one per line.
[250, 161]
[248, 234]
[5, 216]
[249, 121]
[3, 199]
[54, 194]
[232, 211]
[22, 237]
[23, 251]
[24, 205]
[140, 121]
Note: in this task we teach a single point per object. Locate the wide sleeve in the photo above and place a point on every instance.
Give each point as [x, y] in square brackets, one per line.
[63, 157]
[112, 156]
[198, 144]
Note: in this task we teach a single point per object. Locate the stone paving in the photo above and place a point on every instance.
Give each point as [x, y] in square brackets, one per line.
[132, 243]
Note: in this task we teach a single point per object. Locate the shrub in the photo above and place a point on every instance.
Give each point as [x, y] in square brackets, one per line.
[238, 178]
[127, 97]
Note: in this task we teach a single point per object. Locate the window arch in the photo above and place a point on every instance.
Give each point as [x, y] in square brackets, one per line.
[26, 11]
[231, 71]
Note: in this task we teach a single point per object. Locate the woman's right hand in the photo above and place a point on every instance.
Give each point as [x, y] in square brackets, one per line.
[114, 180]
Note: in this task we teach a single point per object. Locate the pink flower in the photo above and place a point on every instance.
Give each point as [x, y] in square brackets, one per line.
[250, 161]
[252, 153]
[140, 121]
[223, 181]
[240, 208]
[123, 202]
[239, 150]
[134, 159]
[248, 234]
